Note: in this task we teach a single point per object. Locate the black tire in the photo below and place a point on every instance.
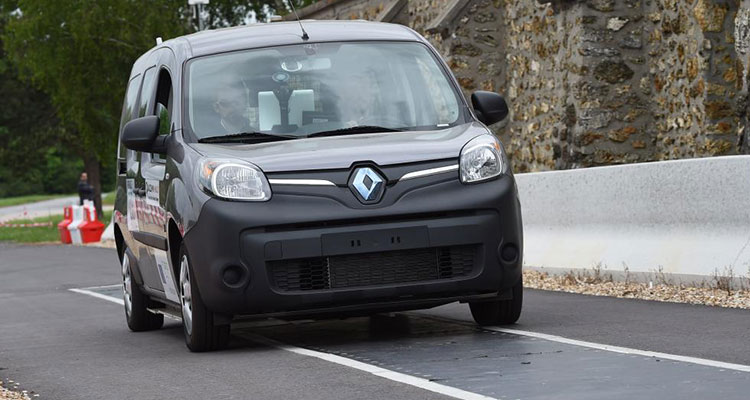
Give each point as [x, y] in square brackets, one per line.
[499, 312]
[201, 334]
[136, 302]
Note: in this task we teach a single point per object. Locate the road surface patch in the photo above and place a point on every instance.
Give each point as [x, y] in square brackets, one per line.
[467, 362]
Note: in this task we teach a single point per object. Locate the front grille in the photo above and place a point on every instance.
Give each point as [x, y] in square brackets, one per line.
[369, 269]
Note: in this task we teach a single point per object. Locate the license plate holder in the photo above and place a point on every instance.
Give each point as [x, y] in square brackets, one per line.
[371, 241]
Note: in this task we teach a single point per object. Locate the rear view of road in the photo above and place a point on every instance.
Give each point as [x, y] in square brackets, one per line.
[66, 345]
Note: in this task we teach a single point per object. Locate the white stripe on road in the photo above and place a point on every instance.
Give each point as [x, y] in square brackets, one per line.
[347, 362]
[448, 390]
[118, 285]
[116, 300]
[597, 346]
[372, 369]
[624, 350]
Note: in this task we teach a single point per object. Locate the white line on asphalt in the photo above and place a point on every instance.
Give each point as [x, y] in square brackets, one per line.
[374, 370]
[116, 300]
[347, 362]
[117, 285]
[592, 345]
[451, 391]
[596, 346]
[623, 350]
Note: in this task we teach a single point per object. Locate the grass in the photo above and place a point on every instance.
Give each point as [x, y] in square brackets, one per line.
[108, 199]
[14, 201]
[38, 234]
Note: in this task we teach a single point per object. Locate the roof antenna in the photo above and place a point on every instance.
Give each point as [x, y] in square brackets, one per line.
[304, 34]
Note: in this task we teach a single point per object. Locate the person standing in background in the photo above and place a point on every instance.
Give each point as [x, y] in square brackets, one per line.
[85, 190]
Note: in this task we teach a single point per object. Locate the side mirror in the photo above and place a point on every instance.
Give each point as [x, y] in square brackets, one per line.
[490, 107]
[142, 134]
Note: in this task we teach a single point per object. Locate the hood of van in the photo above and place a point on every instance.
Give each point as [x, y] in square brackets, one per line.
[339, 152]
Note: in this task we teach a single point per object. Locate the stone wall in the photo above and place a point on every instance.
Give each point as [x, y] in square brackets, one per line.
[592, 82]
[542, 68]
[695, 77]
[613, 122]
[336, 9]
[742, 49]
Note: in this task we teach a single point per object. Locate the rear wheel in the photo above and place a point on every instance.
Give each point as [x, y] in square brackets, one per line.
[197, 321]
[136, 303]
[499, 312]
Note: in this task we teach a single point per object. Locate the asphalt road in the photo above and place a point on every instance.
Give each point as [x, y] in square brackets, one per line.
[65, 345]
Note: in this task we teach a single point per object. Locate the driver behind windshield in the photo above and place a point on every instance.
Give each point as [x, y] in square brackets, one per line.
[232, 107]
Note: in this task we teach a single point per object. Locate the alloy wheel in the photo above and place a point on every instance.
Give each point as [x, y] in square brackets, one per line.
[127, 285]
[186, 296]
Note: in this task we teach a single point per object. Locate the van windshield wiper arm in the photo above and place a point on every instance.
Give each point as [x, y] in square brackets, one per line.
[245, 137]
[355, 130]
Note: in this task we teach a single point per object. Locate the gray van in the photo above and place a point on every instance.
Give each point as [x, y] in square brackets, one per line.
[266, 173]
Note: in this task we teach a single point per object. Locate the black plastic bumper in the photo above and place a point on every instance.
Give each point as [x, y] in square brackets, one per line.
[249, 237]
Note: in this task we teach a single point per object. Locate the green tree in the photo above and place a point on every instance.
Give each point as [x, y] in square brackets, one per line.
[79, 53]
[28, 126]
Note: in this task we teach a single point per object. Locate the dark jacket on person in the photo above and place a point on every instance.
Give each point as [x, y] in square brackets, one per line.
[85, 192]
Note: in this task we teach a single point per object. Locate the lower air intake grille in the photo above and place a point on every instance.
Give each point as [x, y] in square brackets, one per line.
[368, 269]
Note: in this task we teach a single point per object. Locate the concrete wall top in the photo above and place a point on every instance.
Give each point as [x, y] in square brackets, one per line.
[706, 191]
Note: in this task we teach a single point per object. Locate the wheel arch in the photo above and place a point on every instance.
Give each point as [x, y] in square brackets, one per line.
[174, 242]
[119, 242]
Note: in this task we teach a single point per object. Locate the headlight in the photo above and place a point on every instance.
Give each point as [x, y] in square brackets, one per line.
[481, 159]
[233, 179]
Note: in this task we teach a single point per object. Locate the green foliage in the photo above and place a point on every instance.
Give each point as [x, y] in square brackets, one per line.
[108, 199]
[80, 53]
[223, 13]
[33, 158]
[63, 70]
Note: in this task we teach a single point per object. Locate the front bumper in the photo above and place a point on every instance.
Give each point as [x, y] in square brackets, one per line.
[300, 229]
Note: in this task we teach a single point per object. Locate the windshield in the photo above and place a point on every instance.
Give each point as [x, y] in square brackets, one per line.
[317, 89]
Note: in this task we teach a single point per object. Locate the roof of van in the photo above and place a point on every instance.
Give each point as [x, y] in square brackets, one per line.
[284, 33]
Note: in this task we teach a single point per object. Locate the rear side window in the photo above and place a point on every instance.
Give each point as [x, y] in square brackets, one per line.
[131, 95]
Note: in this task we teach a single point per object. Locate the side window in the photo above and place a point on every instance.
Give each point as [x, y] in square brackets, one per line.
[147, 91]
[164, 120]
[131, 94]
[163, 107]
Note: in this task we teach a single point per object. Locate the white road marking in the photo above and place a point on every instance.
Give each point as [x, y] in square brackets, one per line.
[623, 350]
[87, 292]
[592, 345]
[347, 362]
[117, 285]
[372, 369]
[448, 390]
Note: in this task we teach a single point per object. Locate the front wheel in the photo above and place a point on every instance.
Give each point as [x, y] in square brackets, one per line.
[499, 312]
[197, 321]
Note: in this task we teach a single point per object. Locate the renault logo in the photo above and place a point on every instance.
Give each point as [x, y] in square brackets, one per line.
[367, 185]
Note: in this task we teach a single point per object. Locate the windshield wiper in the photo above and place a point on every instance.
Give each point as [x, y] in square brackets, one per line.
[354, 130]
[245, 137]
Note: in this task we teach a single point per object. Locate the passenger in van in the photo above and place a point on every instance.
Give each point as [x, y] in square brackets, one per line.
[361, 110]
[232, 108]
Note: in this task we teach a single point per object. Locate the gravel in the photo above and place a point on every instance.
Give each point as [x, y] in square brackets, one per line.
[599, 286]
[12, 392]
